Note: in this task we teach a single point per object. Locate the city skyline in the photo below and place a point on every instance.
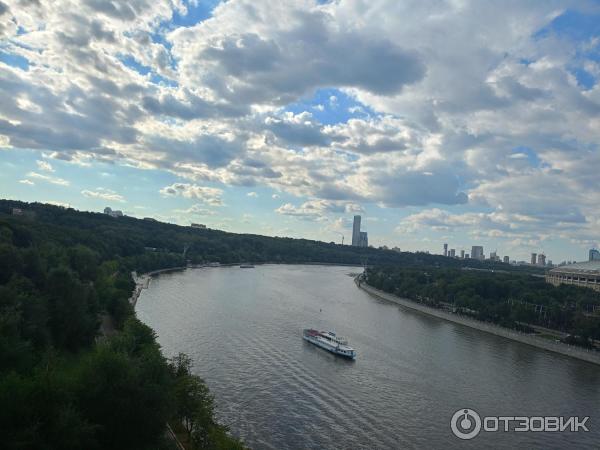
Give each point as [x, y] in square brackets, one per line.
[394, 112]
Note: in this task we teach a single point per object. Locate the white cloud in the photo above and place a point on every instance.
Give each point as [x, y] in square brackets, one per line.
[208, 195]
[196, 210]
[104, 194]
[318, 209]
[44, 166]
[252, 194]
[48, 178]
[27, 182]
[449, 111]
[57, 203]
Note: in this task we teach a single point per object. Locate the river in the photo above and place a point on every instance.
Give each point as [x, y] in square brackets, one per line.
[243, 328]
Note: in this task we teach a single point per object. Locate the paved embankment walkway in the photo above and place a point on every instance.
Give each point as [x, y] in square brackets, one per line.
[557, 347]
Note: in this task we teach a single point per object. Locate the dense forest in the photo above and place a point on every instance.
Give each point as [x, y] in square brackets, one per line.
[512, 300]
[77, 369]
[146, 245]
[65, 381]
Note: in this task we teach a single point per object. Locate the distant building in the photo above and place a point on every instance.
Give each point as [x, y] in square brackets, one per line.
[113, 213]
[585, 274]
[493, 256]
[477, 252]
[16, 211]
[150, 219]
[445, 249]
[462, 254]
[533, 259]
[396, 249]
[452, 253]
[363, 239]
[506, 260]
[198, 225]
[541, 259]
[356, 231]
[594, 255]
[359, 238]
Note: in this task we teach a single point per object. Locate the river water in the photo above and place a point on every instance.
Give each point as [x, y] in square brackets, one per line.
[243, 328]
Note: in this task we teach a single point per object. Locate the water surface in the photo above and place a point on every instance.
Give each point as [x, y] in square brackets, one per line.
[243, 330]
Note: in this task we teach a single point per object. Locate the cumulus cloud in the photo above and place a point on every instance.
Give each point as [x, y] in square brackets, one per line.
[208, 195]
[265, 53]
[501, 122]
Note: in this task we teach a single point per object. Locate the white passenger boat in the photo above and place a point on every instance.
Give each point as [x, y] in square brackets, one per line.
[330, 342]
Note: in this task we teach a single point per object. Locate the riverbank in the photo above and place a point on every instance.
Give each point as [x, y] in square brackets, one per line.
[535, 341]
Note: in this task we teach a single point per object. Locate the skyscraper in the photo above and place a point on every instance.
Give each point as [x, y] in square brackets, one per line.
[533, 259]
[594, 255]
[477, 252]
[363, 239]
[445, 249]
[452, 253]
[356, 231]
[506, 260]
[541, 259]
[462, 254]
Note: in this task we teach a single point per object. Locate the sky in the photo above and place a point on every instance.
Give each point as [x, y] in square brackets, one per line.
[466, 122]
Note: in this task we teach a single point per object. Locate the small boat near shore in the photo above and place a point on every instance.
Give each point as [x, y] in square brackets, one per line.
[328, 340]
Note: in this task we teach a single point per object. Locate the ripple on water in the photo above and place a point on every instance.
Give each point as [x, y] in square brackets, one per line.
[243, 329]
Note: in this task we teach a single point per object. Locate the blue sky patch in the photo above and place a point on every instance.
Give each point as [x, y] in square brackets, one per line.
[331, 106]
[14, 60]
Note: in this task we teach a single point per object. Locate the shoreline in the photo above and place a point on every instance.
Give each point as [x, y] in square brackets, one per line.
[534, 341]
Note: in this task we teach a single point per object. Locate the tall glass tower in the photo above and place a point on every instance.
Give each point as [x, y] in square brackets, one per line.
[356, 231]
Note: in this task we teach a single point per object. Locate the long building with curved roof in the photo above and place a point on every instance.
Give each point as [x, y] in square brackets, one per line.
[585, 274]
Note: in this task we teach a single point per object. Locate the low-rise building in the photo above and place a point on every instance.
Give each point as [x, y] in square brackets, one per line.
[585, 274]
